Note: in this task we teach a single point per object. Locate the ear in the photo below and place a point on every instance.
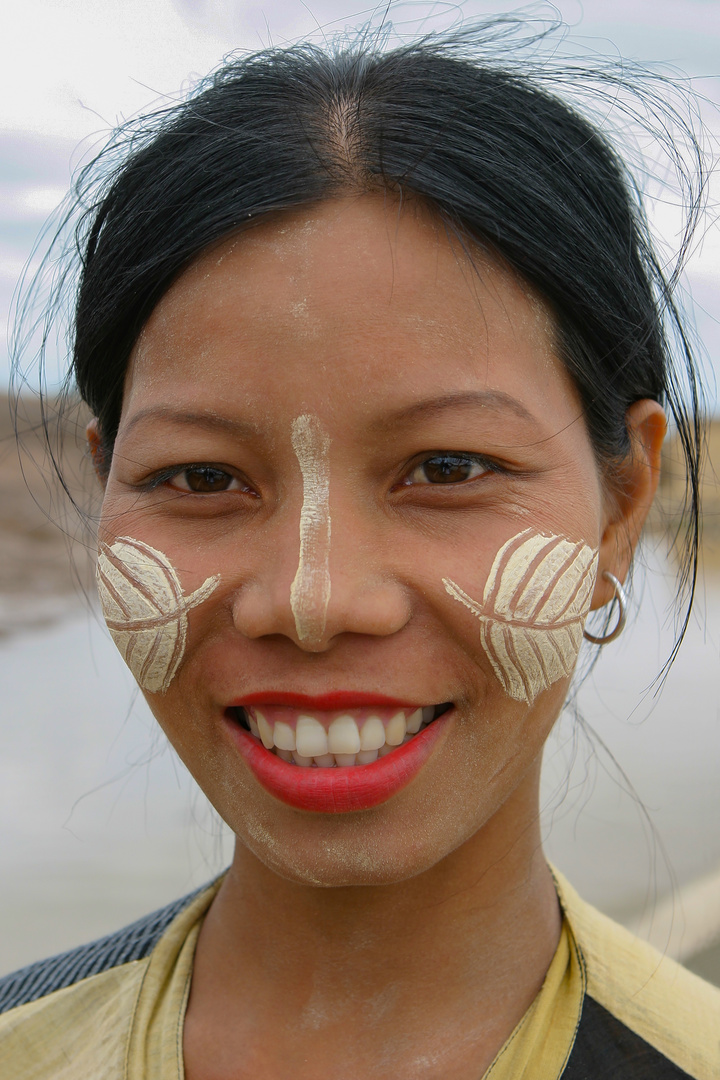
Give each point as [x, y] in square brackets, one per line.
[630, 503]
[97, 451]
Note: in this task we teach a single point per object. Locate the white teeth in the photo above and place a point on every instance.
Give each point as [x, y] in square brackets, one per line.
[372, 736]
[414, 721]
[343, 736]
[264, 730]
[284, 736]
[310, 737]
[325, 761]
[342, 744]
[395, 731]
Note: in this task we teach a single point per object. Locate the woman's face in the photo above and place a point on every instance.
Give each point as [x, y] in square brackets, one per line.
[326, 421]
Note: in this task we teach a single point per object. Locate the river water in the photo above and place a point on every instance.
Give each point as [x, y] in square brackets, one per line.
[100, 822]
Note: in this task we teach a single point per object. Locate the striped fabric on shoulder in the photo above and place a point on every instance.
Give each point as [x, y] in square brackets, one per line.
[133, 942]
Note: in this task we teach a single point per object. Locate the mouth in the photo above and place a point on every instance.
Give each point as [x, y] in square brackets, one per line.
[334, 760]
[342, 738]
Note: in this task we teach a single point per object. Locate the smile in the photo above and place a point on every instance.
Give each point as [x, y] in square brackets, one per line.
[334, 760]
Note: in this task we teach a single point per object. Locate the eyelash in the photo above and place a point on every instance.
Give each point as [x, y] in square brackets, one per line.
[166, 475]
[456, 460]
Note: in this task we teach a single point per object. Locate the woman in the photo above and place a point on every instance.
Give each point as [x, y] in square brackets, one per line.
[376, 349]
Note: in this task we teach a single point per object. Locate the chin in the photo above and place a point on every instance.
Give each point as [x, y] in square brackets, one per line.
[358, 851]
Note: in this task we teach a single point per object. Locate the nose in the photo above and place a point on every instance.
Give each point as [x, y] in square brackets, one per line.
[313, 600]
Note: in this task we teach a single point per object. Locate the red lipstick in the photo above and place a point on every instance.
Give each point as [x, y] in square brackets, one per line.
[338, 790]
[333, 701]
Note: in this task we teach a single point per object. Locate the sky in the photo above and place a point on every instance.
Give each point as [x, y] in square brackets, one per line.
[72, 69]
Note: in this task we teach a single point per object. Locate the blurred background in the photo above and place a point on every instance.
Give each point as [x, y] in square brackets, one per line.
[99, 822]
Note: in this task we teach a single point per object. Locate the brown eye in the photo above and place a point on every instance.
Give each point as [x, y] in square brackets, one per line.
[447, 469]
[203, 479]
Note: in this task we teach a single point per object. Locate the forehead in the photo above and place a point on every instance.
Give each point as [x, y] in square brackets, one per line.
[346, 302]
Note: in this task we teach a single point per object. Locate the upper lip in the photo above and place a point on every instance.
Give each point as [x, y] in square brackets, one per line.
[328, 702]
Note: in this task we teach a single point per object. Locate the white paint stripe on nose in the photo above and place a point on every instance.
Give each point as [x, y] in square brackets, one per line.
[310, 590]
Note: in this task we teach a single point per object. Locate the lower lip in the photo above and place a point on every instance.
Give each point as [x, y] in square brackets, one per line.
[339, 790]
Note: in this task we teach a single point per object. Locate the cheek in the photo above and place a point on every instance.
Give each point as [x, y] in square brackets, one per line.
[146, 610]
[532, 610]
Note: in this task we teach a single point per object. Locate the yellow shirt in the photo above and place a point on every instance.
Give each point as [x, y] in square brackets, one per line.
[608, 997]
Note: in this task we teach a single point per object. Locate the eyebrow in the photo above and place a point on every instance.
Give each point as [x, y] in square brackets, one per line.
[239, 429]
[496, 400]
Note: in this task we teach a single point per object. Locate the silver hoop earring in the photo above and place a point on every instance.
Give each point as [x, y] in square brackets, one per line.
[621, 599]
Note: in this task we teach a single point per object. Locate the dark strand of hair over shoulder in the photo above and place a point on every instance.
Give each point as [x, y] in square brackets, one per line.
[503, 161]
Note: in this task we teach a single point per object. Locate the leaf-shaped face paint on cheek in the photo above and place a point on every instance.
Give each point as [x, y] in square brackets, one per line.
[145, 609]
[533, 610]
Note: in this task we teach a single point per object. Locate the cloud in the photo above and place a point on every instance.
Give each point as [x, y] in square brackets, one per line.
[70, 71]
[29, 202]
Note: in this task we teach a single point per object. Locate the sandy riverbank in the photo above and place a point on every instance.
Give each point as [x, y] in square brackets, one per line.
[45, 565]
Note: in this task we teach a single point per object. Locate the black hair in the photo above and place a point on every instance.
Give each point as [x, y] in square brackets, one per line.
[504, 162]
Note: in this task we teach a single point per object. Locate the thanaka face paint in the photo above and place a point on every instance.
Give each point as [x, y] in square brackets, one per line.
[536, 599]
[145, 609]
[310, 590]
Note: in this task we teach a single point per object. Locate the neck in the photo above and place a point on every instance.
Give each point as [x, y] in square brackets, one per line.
[470, 939]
